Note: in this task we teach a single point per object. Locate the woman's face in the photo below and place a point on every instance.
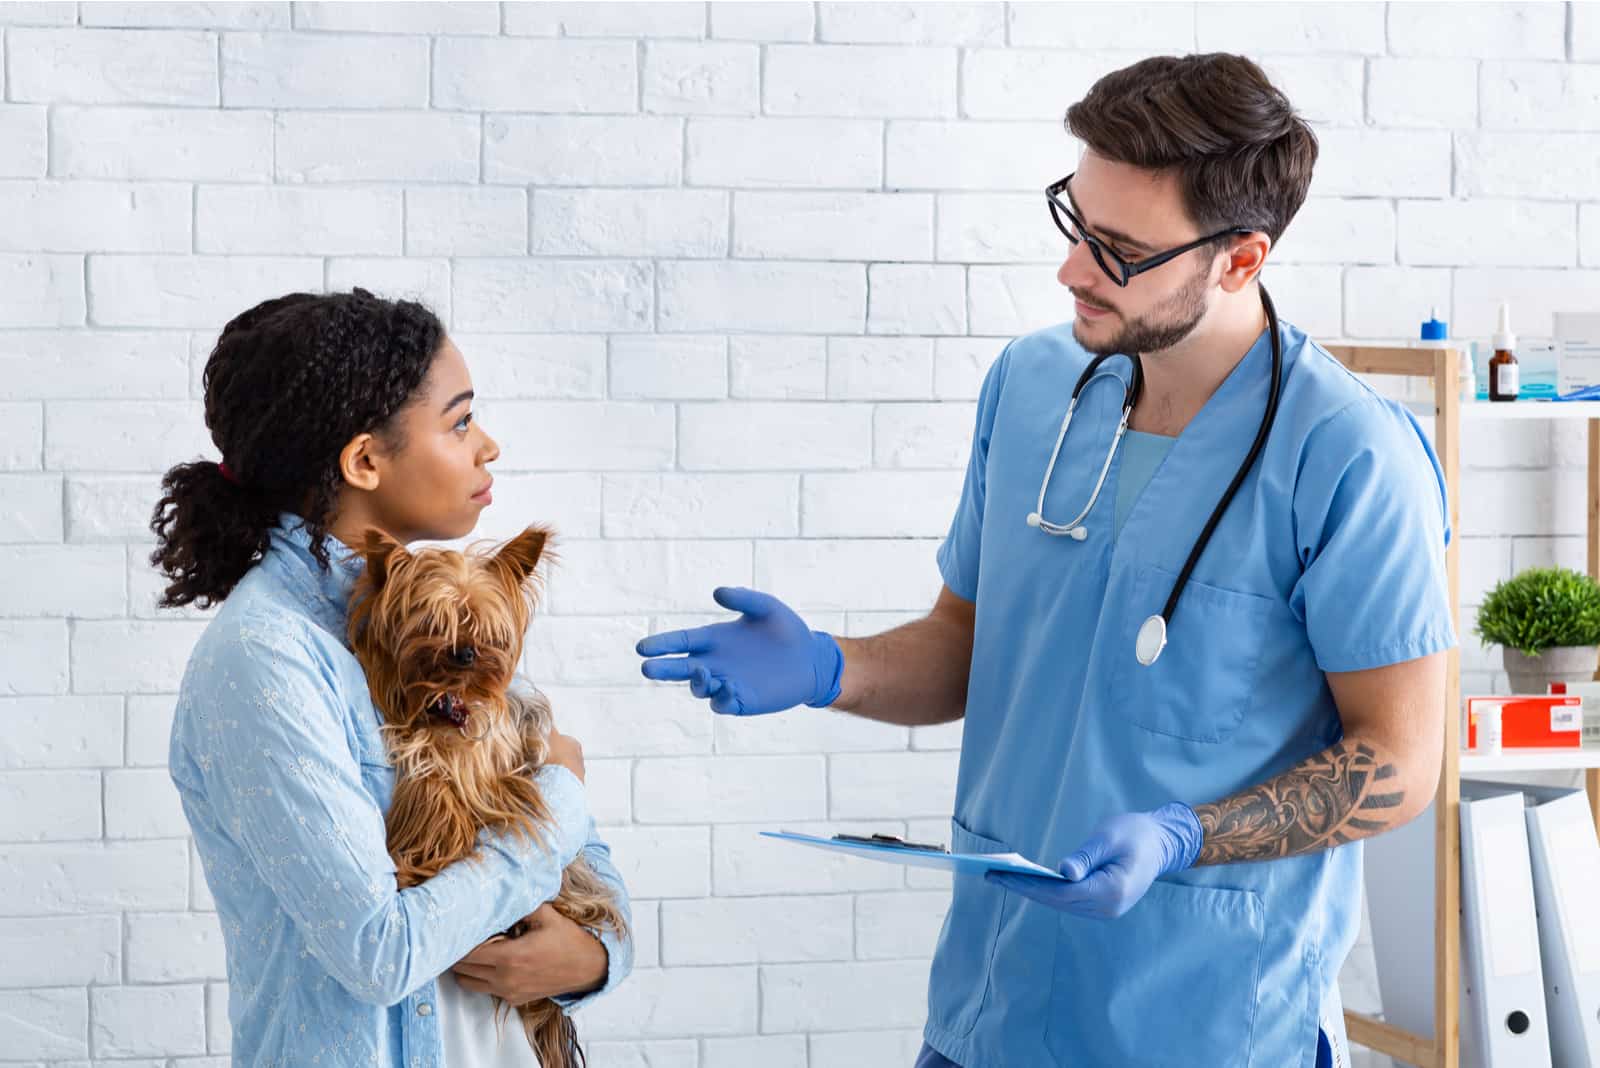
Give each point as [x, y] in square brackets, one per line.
[437, 482]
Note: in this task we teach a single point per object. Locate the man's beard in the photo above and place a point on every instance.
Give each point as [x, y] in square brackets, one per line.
[1162, 328]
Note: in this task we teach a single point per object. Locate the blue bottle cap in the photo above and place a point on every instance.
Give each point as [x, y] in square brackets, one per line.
[1435, 329]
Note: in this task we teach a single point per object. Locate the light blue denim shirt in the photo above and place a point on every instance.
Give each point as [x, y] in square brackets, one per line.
[284, 779]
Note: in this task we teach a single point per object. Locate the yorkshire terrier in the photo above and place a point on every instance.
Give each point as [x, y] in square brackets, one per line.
[439, 634]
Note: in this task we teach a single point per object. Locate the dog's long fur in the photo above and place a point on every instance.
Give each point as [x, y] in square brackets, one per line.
[439, 634]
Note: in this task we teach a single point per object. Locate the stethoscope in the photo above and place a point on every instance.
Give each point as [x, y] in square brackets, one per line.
[1153, 632]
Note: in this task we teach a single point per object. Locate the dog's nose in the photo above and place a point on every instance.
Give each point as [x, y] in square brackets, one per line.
[466, 656]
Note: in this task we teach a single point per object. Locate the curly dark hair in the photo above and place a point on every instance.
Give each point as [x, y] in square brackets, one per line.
[1242, 155]
[287, 386]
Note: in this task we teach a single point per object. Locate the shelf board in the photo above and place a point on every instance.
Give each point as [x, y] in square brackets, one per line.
[1490, 410]
[1529, 760]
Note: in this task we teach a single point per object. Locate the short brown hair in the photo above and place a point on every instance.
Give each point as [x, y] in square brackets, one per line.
[1242, 155]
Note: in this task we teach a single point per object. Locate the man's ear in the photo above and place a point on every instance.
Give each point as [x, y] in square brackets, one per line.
[1246, 256]
[383, 555]
[519, 556]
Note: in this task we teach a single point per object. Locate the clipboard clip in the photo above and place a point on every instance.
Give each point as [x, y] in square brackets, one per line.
[889, 839]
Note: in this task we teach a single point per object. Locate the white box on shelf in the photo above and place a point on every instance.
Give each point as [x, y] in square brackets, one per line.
[1577, 349]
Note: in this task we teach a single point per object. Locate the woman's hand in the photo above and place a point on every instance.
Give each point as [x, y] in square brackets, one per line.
[566, 751]
[554, 957]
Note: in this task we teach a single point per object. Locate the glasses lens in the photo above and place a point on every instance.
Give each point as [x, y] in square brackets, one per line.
[1109, 262]
[1063, 221]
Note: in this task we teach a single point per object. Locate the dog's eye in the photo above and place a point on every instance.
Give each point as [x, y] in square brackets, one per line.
[465, 656]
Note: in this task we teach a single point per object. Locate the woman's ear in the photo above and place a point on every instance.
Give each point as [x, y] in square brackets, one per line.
[356, 462]
[383, 555]
[519, 556]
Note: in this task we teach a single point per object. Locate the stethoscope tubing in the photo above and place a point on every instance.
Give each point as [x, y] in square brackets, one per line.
[1153, 634]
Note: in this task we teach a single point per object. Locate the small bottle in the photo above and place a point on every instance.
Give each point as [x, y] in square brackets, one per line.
[1504, 374]
[1436, 335]
[1489, 729]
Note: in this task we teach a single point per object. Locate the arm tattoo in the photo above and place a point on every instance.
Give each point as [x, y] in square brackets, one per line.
[1341, 794]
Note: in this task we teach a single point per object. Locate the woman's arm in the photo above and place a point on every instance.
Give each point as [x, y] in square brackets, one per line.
[272, 755]
[556, 959]
[619, 947]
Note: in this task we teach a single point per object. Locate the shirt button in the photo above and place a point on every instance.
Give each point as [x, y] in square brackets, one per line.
[424, 1009]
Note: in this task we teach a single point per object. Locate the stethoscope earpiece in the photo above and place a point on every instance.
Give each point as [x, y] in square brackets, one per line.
[1033, 519]
[1079, 533]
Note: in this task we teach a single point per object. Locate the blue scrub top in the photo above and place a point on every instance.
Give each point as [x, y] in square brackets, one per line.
[1331, 558]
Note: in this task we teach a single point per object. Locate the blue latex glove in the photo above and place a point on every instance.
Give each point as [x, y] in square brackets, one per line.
[1114, 868]
[765, 661]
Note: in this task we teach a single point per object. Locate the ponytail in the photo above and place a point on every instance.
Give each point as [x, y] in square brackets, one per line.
[211, 531]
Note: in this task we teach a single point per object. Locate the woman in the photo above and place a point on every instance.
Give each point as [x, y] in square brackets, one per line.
[336, 413]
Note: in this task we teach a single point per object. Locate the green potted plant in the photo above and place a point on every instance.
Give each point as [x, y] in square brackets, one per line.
[1547, 622]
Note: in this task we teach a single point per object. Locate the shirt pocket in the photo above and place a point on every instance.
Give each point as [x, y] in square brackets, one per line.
[1199, 687]
[1171, 984]
[959, 979]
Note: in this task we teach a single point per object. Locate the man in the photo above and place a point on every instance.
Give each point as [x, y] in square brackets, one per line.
[1201, 793]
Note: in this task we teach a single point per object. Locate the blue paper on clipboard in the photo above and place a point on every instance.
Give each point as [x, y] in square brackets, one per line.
[891, 852]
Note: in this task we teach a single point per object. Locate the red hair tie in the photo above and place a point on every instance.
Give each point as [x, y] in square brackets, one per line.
[227, 474]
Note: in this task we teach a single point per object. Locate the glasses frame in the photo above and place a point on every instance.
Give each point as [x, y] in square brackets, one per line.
[1104, 255]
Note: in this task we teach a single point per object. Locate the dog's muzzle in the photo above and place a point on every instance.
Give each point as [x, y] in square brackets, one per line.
[451, 708]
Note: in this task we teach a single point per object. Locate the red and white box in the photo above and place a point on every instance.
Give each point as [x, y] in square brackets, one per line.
[1531, 721]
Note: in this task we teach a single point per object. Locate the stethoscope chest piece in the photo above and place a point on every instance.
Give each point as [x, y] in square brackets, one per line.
[1152, 639]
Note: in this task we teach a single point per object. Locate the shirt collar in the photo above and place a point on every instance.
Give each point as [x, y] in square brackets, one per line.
[324, 591]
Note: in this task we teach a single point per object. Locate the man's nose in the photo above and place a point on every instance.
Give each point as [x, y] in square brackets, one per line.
[1079, 270]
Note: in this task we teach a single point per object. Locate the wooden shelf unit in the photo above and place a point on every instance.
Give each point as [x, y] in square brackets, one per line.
[1442, 1049]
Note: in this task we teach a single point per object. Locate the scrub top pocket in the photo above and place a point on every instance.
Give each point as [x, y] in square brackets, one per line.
[1171, 984]
[959, 980]
[1213, 649]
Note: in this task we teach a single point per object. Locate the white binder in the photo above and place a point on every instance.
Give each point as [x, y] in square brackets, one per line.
[1566, 886]
[1503, 1022]
[1399, 880]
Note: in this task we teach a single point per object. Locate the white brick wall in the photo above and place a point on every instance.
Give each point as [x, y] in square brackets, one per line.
[728, 276]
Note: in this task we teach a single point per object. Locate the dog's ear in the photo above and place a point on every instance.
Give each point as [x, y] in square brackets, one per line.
[519, 556]
[382, 553]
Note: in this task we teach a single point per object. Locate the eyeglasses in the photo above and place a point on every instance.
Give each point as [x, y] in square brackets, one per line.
[1117, 269]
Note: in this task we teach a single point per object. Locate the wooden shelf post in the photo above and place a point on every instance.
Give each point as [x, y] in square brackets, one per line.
[1443, 1048]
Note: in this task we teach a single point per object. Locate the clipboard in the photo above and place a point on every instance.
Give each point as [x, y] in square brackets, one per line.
[891, 850]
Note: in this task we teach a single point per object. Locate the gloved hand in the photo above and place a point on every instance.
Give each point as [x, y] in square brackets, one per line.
[765, 661]
[1114, 868]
